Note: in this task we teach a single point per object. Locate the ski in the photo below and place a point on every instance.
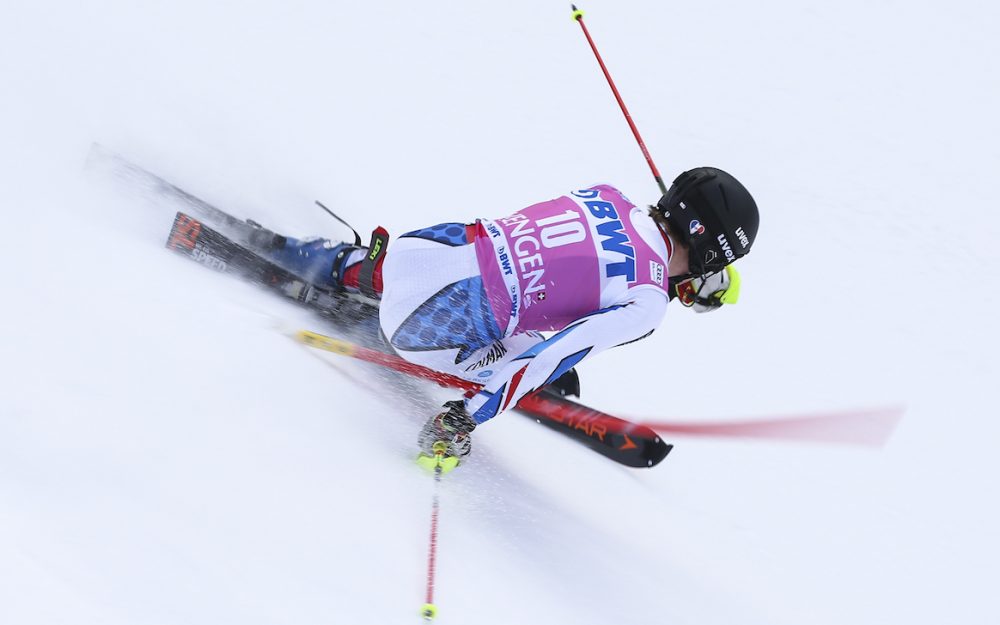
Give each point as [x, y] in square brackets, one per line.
[624, 442]
[246, 233]
[195, 240]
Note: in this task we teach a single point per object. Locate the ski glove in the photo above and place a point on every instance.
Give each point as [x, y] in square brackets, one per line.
[710, 291]
[452, 426]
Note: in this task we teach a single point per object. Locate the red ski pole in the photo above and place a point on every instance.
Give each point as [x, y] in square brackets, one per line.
[578, 16]
[429, 609]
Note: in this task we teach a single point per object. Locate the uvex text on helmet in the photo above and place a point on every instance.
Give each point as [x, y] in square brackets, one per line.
[713, 213]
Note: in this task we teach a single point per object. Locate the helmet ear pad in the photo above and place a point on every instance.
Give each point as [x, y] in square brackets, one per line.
[714, 214]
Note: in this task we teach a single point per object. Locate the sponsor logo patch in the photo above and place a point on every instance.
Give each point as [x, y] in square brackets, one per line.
[696, 227]
[656, 272]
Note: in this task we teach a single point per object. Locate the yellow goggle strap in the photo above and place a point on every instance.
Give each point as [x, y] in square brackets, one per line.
[732, 293]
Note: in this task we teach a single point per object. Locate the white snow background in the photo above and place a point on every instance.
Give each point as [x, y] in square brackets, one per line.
[168, 457]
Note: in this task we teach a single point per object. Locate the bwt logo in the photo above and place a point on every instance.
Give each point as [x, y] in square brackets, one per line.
[515, 301]
[614, 239]
[505, 260]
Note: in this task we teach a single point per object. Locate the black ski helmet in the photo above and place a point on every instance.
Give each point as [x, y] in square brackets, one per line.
[713, 213]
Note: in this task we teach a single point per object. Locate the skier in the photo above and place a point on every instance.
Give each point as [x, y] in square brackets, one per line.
[473, 299]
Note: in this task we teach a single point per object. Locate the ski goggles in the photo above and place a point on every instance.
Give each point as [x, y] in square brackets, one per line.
[710, 291]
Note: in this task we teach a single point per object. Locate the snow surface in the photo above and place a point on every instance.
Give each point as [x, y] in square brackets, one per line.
[166, 456]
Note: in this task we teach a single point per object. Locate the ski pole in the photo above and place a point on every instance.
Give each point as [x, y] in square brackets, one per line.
[578, 16]
[429, 609]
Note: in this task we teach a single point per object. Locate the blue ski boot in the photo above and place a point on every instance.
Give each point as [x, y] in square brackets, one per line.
[318, 261]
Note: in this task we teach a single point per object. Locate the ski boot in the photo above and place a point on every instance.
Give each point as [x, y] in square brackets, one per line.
[318, 261]
[566, 385]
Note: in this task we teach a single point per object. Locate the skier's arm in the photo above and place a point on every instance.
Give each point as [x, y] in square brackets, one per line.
[549, 359]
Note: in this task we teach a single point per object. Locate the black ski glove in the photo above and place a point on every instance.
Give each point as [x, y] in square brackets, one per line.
[452, 426]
